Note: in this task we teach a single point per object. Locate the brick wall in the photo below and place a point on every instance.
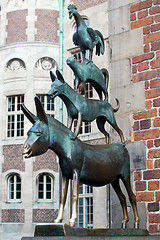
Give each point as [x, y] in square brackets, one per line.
[46, 161]
[47, 25]
[146, 67]
[13, 215]
[16, 27]
[13, 158]
[83, 4]
[44, 215]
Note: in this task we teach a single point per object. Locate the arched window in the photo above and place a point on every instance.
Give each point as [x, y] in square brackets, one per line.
[14, 187]
[45, 187]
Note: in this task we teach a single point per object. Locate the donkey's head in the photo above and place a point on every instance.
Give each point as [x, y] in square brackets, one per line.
[57, 86]
[38, 135]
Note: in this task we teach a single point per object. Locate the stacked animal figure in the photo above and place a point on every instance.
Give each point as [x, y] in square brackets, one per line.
[95, 165]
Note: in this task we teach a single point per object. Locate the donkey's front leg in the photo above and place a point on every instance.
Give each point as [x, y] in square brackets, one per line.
[78, 127]
[75, 190]
[63, 194]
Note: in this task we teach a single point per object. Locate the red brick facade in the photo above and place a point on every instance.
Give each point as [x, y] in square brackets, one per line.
[13, 215]
[146, 67]
[46, 161]
[17, 26]
[47, 25]
[13, 158]
[82, 4]
[44, 215]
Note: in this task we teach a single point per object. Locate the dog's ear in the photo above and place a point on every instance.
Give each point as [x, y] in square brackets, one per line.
[59, 76]
[53, 77]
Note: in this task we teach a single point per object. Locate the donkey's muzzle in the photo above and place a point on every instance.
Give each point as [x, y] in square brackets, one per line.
[26, 150]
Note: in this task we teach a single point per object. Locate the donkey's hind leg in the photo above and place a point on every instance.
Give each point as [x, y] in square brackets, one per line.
[100, 124]
[116, 187]
[132, 199]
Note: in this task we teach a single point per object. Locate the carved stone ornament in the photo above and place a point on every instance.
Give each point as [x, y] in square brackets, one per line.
[16, 4]
[46, 63]
[15, 64]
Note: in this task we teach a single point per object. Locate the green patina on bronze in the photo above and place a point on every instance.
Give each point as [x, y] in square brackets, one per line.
[85, 37]
[89, 72]
[93, 165]
[83, 109]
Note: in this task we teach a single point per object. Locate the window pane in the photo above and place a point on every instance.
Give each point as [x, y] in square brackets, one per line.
[88, 189]
[48, 179]
[20, 125]
[10, 124]
[50, 104]
[48, 195]
[41, 97]
[20, 100]
[40, 195]
[11, 104]
[18, 195]
[41, 178]
[11, 187]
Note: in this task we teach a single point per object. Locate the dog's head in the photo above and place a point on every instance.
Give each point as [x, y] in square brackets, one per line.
[57, 85]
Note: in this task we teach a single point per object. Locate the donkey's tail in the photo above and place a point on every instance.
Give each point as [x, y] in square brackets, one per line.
[117, 107]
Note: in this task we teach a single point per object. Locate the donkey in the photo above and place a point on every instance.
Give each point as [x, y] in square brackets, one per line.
[89, 72]
[81, 162]
[84, 109]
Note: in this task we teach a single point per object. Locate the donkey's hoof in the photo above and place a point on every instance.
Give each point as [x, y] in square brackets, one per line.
[124, 224]
[136, 225]
[57, 220]
[72, 223]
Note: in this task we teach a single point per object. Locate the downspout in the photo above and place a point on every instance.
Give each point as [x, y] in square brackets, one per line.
[61, 15]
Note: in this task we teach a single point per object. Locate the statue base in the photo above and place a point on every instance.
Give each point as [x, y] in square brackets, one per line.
[66, 230]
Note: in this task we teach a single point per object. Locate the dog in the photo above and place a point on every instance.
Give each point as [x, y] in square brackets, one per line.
[83, 109]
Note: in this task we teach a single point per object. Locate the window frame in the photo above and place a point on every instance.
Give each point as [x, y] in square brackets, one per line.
[15, 190]
[44, 190]
[84, 196]
[12, 126]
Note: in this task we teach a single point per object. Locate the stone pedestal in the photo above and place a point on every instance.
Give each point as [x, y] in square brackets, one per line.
[65, 232]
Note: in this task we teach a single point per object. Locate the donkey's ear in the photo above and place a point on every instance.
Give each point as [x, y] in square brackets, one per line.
[32, 118]
[59, 76]
[40, 111]
[53, 77]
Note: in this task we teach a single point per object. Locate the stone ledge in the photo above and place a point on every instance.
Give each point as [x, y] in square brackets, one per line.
[153, 237]
[65, 230]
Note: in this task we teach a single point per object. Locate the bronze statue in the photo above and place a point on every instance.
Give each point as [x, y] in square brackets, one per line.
[84, 37]
[84, 109]
[89, 164]
[89, 72]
